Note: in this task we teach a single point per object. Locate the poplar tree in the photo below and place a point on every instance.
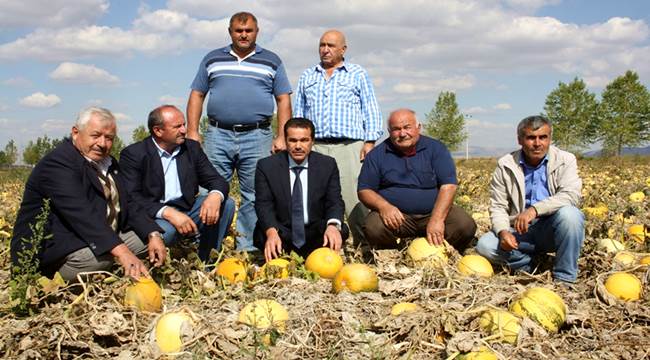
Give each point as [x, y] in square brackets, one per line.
[446, 123]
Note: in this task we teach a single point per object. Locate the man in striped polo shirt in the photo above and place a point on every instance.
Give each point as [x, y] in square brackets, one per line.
[245, 82]
[339, 98]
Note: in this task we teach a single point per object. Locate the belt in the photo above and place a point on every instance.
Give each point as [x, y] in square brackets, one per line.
[332, 140]
[241, 127]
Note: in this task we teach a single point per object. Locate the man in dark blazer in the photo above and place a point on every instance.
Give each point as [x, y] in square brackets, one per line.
[319, 209]
[163, 174]
[90, 213]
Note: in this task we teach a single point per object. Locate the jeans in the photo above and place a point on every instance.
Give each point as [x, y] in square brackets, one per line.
[562, 232]
[209, 236]
[228, 151]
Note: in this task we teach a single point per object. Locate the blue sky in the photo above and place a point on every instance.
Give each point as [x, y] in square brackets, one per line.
[500, 57]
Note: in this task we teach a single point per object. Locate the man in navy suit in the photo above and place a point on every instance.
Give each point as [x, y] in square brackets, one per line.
[298, 197]
[90, 212]
[163, 174]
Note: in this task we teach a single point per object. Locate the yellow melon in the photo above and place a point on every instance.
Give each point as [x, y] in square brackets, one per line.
[232, 269]
[625, 258]
[423, 254]
[274, 269]
[172, 330]
[543, 306]
[638, 196]
[475, 265]
[403, 307]
[610, 245]
[355, 278]
[624, 286]
[481, 354]
[637, 233]
[264, 314]
[325, 262]
[145, 295]
[500, 323]
[645, 260]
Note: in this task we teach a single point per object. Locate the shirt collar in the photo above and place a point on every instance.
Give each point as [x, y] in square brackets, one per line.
[163, 153]
[522, 161]
[320, 68]
[293, 164]
[102, 164]
[229, 50]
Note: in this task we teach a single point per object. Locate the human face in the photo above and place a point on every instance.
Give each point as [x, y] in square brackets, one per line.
[243, 36]
[94, 140]
[404, 130]
[535, 143]
[172, 132]
[299, 143]
[331, 49]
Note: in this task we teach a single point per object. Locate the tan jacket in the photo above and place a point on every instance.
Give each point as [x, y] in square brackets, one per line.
[508, 194]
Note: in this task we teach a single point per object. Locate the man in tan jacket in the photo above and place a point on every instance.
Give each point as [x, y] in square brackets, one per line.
[534, 194]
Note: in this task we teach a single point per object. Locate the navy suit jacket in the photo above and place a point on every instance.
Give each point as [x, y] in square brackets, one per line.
[78, 206]
[145, 179]
[273, 197]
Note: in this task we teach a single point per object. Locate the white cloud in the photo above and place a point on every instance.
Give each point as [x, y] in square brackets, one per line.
[40, 100]
[474, 110]
[177, 101]
[18, 82]
[81, 73]
[502, 106]
[481, 124]
[426, 87]
[55, 125]
[50, 13]
[122, 117]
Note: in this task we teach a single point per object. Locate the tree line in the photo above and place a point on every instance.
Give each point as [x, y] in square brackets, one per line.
[621, 118]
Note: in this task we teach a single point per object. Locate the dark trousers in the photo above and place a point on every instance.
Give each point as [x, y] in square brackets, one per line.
[459, 229]
[313, 234]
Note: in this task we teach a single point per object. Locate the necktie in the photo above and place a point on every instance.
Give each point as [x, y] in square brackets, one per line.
[112, 197]
[297, 211]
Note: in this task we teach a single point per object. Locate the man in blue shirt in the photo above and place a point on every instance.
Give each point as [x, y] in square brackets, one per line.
[339, 98]
[534, 196]
[244, 82]
[164, 172]
[408, 182]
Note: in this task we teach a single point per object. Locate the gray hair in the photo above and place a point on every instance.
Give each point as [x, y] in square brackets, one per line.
[534, 123]
[104, 115]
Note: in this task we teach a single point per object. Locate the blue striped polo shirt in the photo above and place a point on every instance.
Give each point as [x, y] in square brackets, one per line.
[241, 92]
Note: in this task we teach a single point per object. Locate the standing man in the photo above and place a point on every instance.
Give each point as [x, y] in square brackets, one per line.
[339, 98]
[408, 182]
[534, 196]
[299, 202]
[163, 174]
[90, 214]
[244, 82]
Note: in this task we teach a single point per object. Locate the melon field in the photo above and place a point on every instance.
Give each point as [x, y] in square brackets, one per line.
[88, 320]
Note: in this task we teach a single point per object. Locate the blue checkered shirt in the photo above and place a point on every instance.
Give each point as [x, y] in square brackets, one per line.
[343, 106]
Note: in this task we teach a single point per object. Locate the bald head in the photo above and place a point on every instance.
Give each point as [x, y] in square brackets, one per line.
[331, 49]
[403, 129]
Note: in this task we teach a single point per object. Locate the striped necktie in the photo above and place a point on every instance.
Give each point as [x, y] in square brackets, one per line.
[112, 196]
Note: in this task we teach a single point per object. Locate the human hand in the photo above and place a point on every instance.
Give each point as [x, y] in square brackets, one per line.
[273, 245]
[194, 135]
[507, 241]
[435, 231]
[133, 266]
[367, 146]
[523, 219]
[332, 238]
[156, 249]
[210, 208]
[183, 223]
[278, 144]
[391, 217]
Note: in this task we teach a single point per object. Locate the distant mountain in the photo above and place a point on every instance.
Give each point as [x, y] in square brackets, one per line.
[626, 151]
